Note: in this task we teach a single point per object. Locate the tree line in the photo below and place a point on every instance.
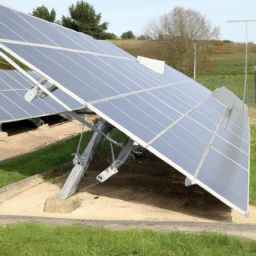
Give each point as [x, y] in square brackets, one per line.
[82, 18]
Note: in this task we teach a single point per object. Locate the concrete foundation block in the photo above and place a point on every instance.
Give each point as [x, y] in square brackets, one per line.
[3, 136]
[44, 127]
[61, 205]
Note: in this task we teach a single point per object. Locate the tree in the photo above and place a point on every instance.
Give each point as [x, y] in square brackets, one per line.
[128, 35]
[43, 13]
[106, 35]
[83, 18]
[177, 31]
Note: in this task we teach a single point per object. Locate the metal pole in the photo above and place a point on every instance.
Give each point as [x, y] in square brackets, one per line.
[245, 78]
[195, 61]
[255, 84]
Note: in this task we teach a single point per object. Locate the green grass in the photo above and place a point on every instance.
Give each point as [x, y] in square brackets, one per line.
[226, 67]
[38, 239]
[233, 83]
[39, 161]
[47, 158]
[4, 65]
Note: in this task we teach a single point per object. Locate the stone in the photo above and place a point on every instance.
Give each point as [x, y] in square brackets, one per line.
[62, 205]
[3, 136]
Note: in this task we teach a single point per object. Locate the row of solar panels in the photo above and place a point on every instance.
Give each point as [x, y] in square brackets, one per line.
[13, 106]
[200, 133]
[21, 27]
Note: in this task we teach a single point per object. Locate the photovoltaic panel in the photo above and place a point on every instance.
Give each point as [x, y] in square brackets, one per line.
[128, 114]
[226, 179]
[13, 106]
[116, 51]
[203, 134]
[18, 26]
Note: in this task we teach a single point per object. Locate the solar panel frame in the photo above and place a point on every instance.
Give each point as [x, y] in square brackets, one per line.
[197, 115]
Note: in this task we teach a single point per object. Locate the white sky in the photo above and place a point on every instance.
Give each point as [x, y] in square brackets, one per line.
[124, 15]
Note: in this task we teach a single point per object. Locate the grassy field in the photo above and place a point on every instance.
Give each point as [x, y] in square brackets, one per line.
[226, 67]
[133, 43]
[38, 239]
[224, 60]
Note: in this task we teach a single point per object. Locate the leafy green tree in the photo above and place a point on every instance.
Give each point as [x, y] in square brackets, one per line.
[106, 35]
[128, 35]
[42, 12]
[83, 18]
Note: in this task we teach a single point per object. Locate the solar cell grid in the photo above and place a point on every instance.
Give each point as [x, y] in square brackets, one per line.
[13, 106]
[172, 115]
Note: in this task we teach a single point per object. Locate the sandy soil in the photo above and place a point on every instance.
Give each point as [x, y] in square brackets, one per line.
[44, 136]
[146, 189]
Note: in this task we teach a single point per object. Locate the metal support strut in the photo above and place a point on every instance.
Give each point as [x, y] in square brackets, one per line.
[121, 159]
[83, 162]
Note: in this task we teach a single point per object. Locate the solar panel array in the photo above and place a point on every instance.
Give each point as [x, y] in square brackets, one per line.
[13, 106]
[193, 129]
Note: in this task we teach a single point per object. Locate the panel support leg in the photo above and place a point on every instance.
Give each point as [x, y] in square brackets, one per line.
[83, 162]
[121, 159]
[36, 121]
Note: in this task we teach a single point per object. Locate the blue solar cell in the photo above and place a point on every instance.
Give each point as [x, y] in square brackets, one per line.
[186, 89]
[203, 120]
[135, 112]
[168, 149]
[225, 178]
[40, 104]
[12, 108]
[167, 109]
[13, 100]
[143, 82]
[129, 123]
[233, 139]
[231, 152]
[95, 76]
[112, 49]
[171, 100]
[23, 104]
[19, 26]
[182, 97]
[105, 69]
[155, 78]
[4, 115]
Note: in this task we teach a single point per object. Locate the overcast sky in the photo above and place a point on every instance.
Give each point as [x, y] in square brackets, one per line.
[124, 15]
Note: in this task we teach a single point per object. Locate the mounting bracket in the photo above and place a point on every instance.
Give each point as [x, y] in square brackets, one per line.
[189, 182]
[34, 91]
[36, 121]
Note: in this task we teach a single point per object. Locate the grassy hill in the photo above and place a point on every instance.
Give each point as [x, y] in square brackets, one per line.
[220, 59]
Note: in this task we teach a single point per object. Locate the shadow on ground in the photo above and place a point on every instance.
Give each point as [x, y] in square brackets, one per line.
[149, 180]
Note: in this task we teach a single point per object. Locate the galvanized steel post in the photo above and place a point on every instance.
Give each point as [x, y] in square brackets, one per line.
[255, 84]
